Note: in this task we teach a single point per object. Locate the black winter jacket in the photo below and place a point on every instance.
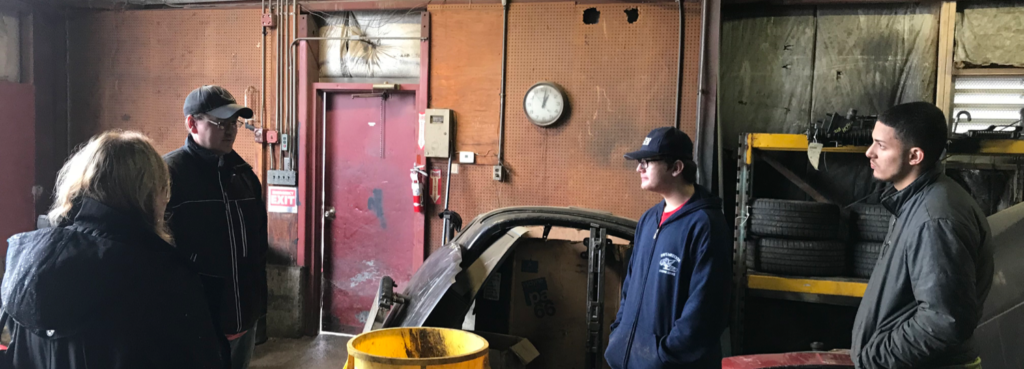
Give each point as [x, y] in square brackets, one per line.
[219, 222]
[925, 296]
[104, 292]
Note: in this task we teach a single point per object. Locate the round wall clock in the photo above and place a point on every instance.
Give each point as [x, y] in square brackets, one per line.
[545, 103]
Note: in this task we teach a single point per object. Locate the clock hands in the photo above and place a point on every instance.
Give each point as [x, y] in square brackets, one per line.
[545, 102]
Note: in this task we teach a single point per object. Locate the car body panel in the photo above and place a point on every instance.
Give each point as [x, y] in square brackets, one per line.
[441, 292]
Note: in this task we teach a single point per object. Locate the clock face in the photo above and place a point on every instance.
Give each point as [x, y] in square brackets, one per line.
[544, 104]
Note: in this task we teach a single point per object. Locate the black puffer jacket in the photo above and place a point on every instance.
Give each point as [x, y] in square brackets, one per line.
[104, 292]
[219, 222]
[926, 294]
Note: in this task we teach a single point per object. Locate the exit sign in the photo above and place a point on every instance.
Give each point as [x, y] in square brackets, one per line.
[282, 199]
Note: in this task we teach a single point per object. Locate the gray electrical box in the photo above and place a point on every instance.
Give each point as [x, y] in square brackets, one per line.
[437, 133]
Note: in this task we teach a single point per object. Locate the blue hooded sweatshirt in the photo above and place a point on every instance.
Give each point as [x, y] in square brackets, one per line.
[675, 298]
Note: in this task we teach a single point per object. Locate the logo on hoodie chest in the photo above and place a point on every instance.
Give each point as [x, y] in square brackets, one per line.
[669, 264]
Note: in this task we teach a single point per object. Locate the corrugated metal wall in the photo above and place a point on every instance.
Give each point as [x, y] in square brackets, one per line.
[620, 78]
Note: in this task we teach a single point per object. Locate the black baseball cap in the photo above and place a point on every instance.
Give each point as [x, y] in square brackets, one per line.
[214, 101]
[664, 141]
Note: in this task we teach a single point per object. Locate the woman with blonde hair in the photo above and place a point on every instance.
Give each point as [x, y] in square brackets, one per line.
[104, 288]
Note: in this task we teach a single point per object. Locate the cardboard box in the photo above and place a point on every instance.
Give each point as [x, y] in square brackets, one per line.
[549, 300]
[508, 352]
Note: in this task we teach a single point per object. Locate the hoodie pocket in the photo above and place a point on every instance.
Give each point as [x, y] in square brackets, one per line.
[644, 353]
[616, 350]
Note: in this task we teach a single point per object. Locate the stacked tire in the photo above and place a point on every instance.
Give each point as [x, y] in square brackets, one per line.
[797, 238]
[871, 224]
[865, 256]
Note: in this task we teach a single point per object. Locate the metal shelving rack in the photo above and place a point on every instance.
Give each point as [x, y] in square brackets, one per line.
[839, 291]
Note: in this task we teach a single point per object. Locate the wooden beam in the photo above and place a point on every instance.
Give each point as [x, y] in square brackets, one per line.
[346, 5]
[795, 179]
[944, 78]
[989, 72]
[821, 2]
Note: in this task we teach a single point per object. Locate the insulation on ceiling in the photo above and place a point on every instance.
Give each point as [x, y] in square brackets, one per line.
[371, 58]
[783, 68]
[990, 34]
[10, 49]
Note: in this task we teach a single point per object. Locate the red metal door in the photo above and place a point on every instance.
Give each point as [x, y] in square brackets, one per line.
[18, 150]
[371, 145]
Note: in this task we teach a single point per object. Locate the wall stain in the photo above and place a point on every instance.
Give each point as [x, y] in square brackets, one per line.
[376, 204]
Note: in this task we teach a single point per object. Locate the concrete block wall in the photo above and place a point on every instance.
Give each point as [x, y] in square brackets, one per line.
[285, 288]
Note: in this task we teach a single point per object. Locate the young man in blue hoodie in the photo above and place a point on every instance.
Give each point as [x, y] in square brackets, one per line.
[675, 297]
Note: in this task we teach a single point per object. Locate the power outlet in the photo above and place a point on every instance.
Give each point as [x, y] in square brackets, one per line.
[282, 178]
[499, 173]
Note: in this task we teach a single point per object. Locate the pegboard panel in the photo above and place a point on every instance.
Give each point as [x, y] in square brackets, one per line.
[620, 78]
[132, 70]
[470, 86]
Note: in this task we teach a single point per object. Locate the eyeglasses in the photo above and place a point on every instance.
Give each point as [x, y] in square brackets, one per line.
[224, 124]
[644, 163]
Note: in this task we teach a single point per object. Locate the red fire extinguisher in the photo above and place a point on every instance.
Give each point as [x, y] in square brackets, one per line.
[417, 189]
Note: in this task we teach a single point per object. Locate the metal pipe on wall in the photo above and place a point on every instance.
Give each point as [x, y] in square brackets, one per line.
[285, 110]
[679, 67]
[288, 84]
[271, 8]
[293, 126]
[504, 61]
[280, 78]
[701, 93]
[285, 82]
[263, 70]
[709, 109]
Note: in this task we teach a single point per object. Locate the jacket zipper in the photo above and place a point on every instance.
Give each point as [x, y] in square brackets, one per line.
[234, 255]
[636, 318]
[245, 241]
[885, 246]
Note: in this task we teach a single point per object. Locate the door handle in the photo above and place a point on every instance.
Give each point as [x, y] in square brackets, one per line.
[329, 213]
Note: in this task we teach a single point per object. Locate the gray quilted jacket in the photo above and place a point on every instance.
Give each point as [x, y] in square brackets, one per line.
[925, 296]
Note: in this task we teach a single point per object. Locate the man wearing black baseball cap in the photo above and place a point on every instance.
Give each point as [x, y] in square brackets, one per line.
[218, 218]
[675, 297]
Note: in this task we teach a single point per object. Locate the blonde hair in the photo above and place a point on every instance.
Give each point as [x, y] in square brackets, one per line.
[120, 169]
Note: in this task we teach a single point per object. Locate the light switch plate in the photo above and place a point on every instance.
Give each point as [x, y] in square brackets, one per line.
[467, 157]
[455, 168]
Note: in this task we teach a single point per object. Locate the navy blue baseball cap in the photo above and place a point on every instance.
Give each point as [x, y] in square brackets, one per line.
[664, 141]
[214, 101]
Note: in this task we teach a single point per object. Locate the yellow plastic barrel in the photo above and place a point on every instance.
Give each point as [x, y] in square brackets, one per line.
[417, 348]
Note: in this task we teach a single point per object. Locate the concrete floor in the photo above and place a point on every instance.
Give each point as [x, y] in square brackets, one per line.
[321, 352]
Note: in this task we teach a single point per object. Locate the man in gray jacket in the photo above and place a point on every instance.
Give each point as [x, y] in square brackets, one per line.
[925, 296]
